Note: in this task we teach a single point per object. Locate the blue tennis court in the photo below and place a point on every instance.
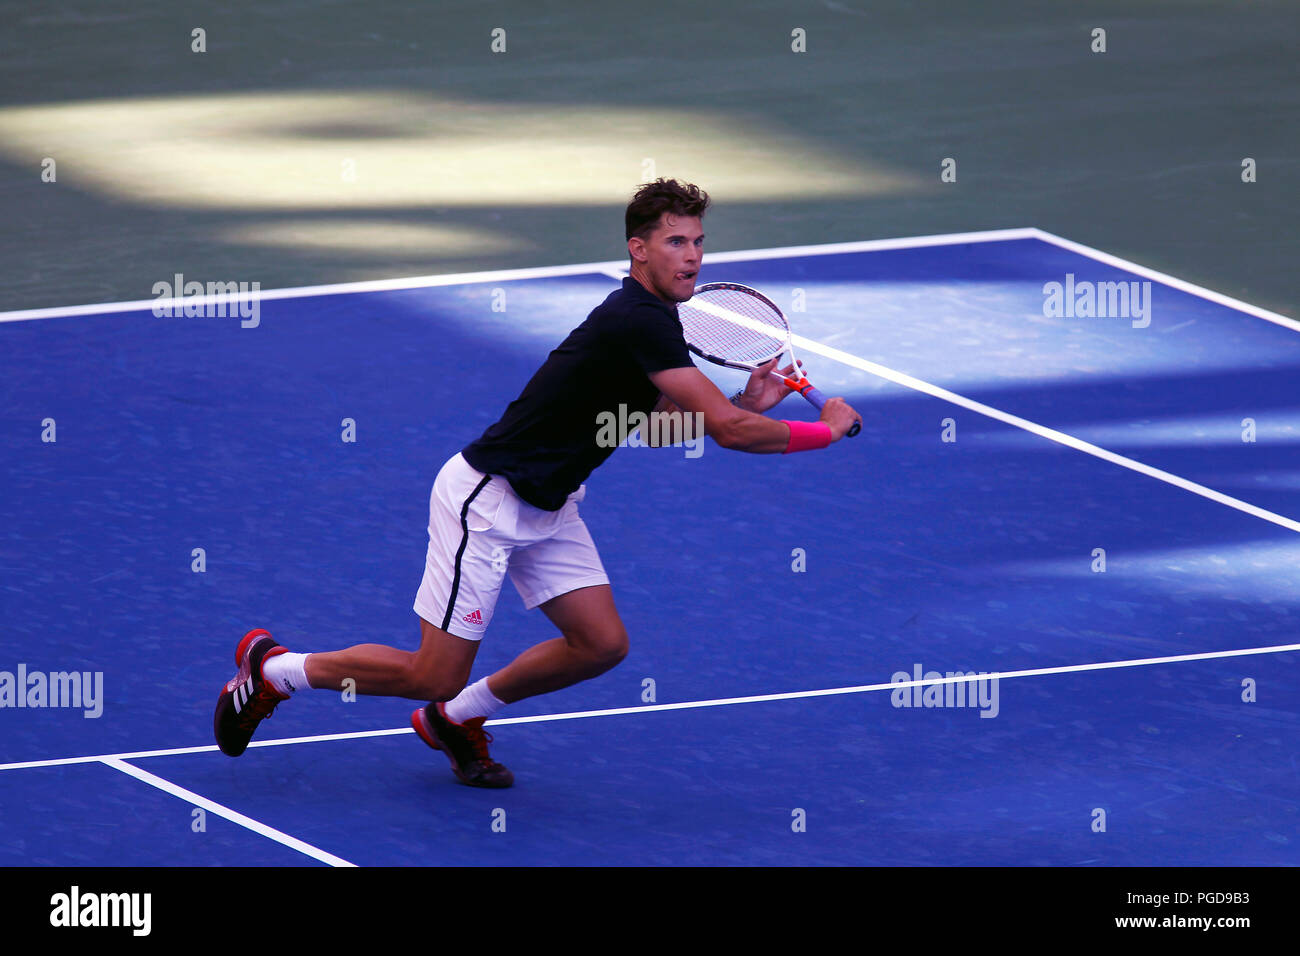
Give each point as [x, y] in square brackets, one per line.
[1089, 519]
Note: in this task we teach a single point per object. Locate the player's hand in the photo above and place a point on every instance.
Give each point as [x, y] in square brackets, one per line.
[840, 416]
[762, 391]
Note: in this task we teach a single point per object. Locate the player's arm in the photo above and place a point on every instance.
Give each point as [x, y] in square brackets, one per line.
[691, 391]
[654, 437]
[664, 405]
[762, 392]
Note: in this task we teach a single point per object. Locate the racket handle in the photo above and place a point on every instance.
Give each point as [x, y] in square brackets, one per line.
[819, 400]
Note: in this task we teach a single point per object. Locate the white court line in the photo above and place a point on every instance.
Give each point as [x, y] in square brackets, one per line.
[611, 268]
[342, 288]
[99, 758]
[261, 829]
[1043, 431]
[176, 751]
[1180, 284]
[617, 268]
[692, 704]
[893, 685]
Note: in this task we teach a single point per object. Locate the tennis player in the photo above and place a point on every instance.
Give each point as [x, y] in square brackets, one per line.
[508, 503]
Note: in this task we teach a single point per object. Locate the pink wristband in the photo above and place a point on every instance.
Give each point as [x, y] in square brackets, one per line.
[805, 436]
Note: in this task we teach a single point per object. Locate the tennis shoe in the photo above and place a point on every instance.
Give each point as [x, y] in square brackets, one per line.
[248, 698]
[464, 744]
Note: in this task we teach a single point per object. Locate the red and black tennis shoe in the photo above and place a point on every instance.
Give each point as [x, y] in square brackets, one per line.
[248, 698]
[464, 744]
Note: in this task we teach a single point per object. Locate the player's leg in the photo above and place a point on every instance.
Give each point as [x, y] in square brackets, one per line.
[459, 591]
[463, 576]
[592, 641]
[437, 671]
[269, 674]
[561, 572]
[460, 587]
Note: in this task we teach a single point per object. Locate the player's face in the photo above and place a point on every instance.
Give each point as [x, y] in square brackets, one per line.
[670, 257]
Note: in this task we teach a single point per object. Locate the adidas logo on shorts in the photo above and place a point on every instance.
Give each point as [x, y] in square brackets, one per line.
[474, 617]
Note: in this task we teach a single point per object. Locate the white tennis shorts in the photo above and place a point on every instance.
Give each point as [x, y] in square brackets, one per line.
[479, 530]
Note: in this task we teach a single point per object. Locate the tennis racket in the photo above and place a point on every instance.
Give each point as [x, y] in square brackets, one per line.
[733, 325]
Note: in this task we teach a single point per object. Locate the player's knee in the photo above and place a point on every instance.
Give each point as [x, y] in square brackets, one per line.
[425, 684]
[619, 650]
[609, 649]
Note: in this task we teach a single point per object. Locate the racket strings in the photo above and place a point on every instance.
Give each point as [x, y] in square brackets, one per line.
[734, 326]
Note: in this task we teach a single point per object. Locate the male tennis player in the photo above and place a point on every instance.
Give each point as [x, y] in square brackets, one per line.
[508, 502]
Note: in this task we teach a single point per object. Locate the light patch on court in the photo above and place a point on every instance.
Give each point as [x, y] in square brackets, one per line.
[1272, 427]
[1264, 479]
[380, 239]
[979, 334]
[400, 149]
[1260, 572]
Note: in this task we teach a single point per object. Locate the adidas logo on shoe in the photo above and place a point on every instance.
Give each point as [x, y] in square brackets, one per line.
[248, 698]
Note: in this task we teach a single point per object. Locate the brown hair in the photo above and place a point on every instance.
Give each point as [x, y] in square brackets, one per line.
[654, 199]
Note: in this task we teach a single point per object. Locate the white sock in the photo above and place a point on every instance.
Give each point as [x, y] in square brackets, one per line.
[474, 701]
[286, 672]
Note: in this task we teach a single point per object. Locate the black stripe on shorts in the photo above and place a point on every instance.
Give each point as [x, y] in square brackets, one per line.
[464, 540]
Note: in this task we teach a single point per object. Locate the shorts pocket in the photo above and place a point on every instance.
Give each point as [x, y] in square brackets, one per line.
[485, 509]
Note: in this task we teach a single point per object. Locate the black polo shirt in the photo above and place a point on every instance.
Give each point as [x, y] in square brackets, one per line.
[545, 443]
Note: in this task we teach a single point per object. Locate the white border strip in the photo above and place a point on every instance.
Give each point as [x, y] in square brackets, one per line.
[617, 269]
[893, 685]
[687, 705]
[179, 751]
[1180, 284]
[342, 288]
[609, 268]
[873, 245]
[261, 829]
